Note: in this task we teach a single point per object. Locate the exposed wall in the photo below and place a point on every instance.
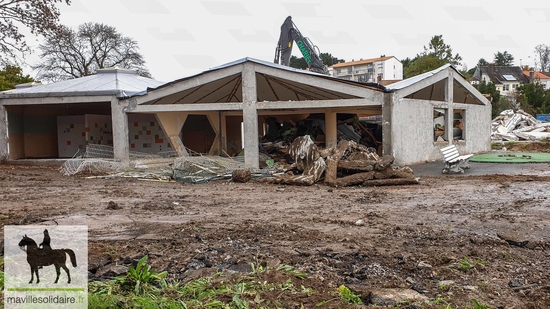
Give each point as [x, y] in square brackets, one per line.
[146, 135]
[411, 124]
[412, 134]
[71, 132]
[234, 139]
[15, 132]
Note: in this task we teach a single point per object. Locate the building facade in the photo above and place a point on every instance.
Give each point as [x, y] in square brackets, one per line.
[376, 70]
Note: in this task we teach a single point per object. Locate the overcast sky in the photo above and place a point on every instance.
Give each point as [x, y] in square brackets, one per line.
[179, 38]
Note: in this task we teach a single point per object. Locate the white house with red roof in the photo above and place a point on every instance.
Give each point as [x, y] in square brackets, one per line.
[383, 70]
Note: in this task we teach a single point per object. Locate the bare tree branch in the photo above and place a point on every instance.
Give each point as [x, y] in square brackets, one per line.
[40, 16]
[67, 54]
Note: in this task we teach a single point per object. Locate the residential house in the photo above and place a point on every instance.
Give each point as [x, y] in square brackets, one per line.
[542, 77]
[505, 78]
[383, 70]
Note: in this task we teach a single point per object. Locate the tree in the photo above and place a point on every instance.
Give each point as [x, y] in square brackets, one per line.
[534, 98]
[489, 88]
[70, 54]
[439, 49]
[542, 58]
[435, 55]
[329, 60]
[40, 16]
[11, 76]
[504, 59]
[298, 63]
[423, 64]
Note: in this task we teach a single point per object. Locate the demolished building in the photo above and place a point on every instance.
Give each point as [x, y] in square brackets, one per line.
[226, 110]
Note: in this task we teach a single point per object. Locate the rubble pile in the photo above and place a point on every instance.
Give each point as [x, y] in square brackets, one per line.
[347, 164]
[517, 126]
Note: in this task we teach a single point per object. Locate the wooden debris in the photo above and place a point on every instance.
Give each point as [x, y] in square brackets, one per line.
[354, 179]
[390, 182]
[332, 162]
[347, 164]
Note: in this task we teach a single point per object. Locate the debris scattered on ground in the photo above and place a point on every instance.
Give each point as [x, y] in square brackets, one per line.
[301, 163]
[517, 126]
[346, 164]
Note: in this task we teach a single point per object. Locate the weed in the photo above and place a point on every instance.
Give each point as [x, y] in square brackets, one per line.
[349, 296]
[143, 274]
[465, 264]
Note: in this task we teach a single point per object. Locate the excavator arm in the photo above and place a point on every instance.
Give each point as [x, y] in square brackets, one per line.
[290, 34]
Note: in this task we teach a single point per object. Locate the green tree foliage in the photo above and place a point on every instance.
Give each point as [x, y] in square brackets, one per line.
[504, 59]
[300, 63]
[423, 64]
[435, 55]
[533, 98]
[40, 16]
[482, 62]
[329, 60]
[12, 75]
[491, 90]
[68, 54]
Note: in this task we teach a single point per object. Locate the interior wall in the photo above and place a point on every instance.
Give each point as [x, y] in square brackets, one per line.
[16, 135]
[234, 140]
[197, 133]
[146, 134]
[33, 129]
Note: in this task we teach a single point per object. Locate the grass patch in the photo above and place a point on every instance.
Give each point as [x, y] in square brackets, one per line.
[143, 287]
[465, 264]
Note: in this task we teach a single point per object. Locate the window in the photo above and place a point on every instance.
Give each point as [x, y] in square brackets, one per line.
[514, 86]
[458, 124]
[439, 124]
[506, 87]
[338, 71]
[350, 70]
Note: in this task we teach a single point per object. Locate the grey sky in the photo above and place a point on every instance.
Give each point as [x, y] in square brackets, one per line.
[181, 38]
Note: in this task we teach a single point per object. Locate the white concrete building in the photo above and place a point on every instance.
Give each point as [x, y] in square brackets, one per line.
[385, 69]
[249, 90]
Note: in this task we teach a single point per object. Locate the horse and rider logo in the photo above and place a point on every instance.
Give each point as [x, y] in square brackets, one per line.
[42, 255]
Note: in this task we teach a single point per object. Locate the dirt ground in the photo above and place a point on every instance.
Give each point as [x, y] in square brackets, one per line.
[411, 237]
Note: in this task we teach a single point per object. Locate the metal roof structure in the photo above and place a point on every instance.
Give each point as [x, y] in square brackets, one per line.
[109, 81]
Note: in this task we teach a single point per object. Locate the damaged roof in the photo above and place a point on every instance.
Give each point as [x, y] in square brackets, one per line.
[108, 81]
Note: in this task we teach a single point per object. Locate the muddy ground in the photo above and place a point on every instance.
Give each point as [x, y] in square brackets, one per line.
[411, 237]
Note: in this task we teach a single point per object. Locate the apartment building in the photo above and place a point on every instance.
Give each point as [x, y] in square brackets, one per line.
[384, 70]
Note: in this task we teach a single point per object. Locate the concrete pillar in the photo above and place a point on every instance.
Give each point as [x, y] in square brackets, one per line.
[171, 123]
[449, 113]
[223, 131]
[3, 134]
[250, 117]
[214, 120]
[331, 130]
[387, 113]
[121, 140]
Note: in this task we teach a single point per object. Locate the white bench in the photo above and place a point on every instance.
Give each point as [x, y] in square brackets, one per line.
[453, 161]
